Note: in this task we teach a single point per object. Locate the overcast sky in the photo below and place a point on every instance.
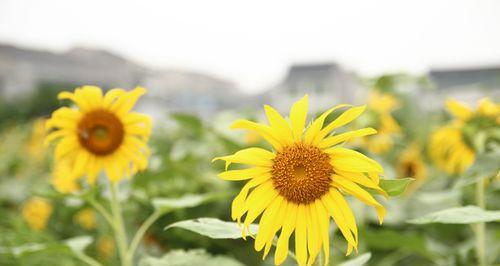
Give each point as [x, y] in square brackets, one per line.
[253, 42]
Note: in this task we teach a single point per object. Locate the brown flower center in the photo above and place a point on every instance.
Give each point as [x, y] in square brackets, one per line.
[302, 173]
[100, 132]
[410, 169]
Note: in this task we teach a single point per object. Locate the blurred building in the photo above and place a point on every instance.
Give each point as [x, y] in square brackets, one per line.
[22, 71]
[326, 84]
[194, 93]
[464, 84]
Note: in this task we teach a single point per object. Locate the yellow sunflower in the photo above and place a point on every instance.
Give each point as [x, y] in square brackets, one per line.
[452, 147]
[86, 218]
[380, 106]
[101, 133]
[411, 164]
[35, 144]
[299, 185]
[36, 212]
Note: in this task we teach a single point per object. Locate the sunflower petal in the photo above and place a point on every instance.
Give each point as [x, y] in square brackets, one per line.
[333, 140]
[279, 125]
[314, 129]
[345, 118]
[361, 194]
[301, 235]
[286, 232]
[250, 156]
[244, 174]
[459, 110]
[264, 131]
[298, 116]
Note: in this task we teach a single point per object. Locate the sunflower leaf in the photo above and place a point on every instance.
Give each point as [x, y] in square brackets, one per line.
[186, 201]
[395, 187]
[213, 228]
[79, 243]
[188, 258]
[358, 261]
[485, 166]
[459, 215]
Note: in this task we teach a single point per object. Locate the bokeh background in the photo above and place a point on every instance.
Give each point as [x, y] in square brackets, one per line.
[207, 63]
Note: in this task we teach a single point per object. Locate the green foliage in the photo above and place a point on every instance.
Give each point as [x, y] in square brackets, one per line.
[423, 226]
[214, 228]
[358, 261]
[395, 187]
[189, 258]
[459, 215]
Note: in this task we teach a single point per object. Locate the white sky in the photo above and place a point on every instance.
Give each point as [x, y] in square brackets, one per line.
[253, 42]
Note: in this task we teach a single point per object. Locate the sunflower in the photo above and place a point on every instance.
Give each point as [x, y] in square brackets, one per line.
[101, 133]
[411, 164]
[453, 147]
[86, 218]
[34, 145]
[36, 212]
[380, 106]
[299, 185]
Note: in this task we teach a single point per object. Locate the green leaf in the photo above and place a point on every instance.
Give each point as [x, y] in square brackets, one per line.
[187, 201]
[358, 261]
[78, 244]
[75, 245]
[459, 215]
[189, 258]
[386, 239]
[395, 187]
[213, 228]
[27, 248]
[485, 166]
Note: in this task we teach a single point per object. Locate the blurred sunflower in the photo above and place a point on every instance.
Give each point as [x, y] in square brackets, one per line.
[453, 147]
[86, 218]
[35, 144]
[380, 106]
[36, 212]
[411, 164]
[101, 133]
[105, 247]
[300, 185]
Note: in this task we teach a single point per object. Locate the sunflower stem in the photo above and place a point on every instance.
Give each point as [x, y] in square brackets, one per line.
[90, 261]
[119, 226]
[140, 233]
[481, 227]
[100, 209]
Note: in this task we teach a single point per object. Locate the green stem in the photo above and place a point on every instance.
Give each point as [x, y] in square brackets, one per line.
[119, 226]
[90, 261]
[480, 227]
[100, 209]
[140, 233]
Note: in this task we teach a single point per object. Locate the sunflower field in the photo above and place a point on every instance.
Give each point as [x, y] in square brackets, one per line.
[87, 179]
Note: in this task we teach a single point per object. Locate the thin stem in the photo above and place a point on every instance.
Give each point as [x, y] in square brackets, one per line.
[99, 208]
[120, 235]
[481, 227]
[90, 261]
[140, 233]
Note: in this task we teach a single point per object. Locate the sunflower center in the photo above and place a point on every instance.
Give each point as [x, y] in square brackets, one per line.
[410, 169]
[302, 173]
[100, 132]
